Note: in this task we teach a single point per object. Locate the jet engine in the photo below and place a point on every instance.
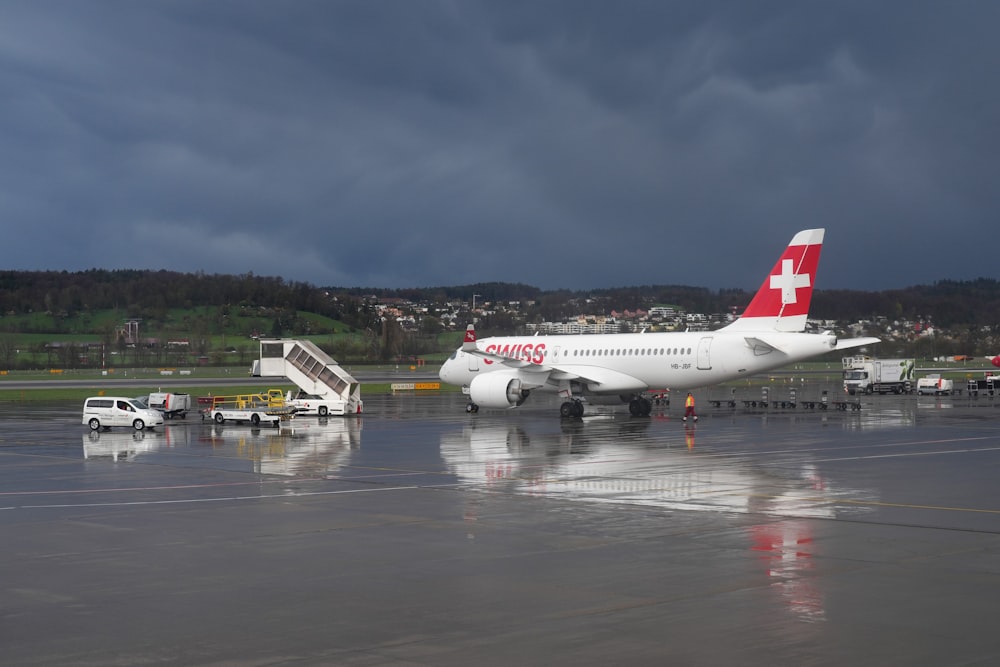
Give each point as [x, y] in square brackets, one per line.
[497, 390]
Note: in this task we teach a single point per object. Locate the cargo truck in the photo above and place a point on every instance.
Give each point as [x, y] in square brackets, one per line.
[867, 375]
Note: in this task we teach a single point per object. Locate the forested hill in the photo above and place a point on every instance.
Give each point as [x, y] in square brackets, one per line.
[140, 293]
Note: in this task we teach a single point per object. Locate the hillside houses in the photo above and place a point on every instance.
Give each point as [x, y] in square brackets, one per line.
[526, 317]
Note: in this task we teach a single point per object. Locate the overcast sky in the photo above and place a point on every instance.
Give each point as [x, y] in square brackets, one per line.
[414, 143]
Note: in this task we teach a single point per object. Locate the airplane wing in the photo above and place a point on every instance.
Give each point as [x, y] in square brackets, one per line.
[599, 379]
[536, 375]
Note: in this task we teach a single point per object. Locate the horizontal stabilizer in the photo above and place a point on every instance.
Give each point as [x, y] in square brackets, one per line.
[855, 342]
[761, 346]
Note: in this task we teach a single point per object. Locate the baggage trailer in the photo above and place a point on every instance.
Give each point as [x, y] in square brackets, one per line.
[987, 386]
[269, 408]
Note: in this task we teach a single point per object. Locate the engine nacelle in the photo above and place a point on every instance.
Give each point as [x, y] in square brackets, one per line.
[497, 390]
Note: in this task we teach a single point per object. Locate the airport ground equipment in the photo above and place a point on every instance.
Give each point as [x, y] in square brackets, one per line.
[311, 404]
[936, 385]
[268, 408]
[718, 401]
[822, 403]
[868, 376]
[987, 386]
[171, 405]
[765, 399]
[330, 388]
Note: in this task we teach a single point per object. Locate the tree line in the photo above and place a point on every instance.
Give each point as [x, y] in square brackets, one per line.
[69, 298]
[947, 303]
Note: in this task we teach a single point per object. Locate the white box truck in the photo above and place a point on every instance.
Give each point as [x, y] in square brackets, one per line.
[868, 376]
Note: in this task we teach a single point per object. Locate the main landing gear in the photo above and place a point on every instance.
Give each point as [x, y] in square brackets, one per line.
[571, 409]
[471, 407]
[640, 407]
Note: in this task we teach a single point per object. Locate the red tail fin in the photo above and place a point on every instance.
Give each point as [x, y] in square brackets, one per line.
[470, 338]
[782, 302]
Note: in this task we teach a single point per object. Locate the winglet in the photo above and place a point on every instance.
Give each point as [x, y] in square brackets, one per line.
[782, 302]
[470, 338]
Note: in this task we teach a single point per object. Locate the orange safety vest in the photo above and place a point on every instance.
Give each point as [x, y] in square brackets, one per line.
[689, 402]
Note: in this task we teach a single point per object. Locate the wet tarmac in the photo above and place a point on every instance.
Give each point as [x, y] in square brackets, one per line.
[422, 535]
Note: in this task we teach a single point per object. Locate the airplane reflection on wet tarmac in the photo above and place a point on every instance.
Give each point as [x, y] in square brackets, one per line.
[607, 461]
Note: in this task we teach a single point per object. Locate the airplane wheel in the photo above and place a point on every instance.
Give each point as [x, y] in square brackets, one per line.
[566, 410]
[471, 407]
[577, 409]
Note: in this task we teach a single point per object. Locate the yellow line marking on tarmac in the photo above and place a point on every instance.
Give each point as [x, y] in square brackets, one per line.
[879, 503]
[905, 454]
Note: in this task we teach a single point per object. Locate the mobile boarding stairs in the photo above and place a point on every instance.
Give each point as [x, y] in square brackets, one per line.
[314, 372]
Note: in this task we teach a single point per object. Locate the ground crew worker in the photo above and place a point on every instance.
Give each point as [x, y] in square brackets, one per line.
[689, 407]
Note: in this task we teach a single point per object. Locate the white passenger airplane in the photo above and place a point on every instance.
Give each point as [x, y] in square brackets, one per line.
[502, 372]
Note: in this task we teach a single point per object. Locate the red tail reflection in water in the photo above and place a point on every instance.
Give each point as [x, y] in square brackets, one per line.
[786, 548]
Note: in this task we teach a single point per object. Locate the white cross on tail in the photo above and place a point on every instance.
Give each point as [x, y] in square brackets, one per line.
[787, 281]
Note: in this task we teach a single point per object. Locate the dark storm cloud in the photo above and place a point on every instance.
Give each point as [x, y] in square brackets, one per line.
[561, 144]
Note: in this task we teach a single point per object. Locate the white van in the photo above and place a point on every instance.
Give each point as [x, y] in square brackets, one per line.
[107, 411]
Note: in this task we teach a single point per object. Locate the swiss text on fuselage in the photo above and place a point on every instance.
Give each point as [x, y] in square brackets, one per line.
[534, 353]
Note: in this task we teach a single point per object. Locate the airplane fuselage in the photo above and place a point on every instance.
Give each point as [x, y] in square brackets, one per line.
[631, 363]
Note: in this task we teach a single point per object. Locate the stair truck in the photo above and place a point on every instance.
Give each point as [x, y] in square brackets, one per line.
[324, 387]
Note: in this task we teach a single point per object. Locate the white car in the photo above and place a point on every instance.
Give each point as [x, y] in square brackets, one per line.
[311, 404]
[107, 411]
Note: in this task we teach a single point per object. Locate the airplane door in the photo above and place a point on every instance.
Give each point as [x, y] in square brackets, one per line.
[473, 362]
[704, 360]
